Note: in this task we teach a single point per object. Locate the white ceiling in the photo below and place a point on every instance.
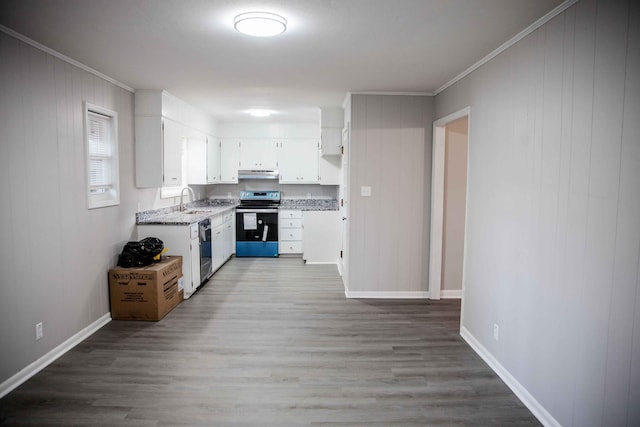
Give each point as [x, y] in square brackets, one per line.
[190, 48]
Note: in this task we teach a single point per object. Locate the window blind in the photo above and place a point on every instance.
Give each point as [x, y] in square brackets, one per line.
[100, 153]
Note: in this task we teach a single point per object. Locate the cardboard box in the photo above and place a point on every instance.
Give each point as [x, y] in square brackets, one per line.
[146, 293]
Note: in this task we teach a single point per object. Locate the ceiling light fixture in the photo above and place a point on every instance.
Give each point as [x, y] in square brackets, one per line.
[260, 113]
[260, 24]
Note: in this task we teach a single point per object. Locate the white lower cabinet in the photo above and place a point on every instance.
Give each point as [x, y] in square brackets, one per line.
[229, 161]
[290, 231]
[229, 234]
[217, 242]
[322, 237]
[182, 240]
[222, 238]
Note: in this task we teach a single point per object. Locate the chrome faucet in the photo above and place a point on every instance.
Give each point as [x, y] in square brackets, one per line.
[193, 196]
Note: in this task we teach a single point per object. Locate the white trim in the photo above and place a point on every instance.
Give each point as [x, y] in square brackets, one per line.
[518, 389]
[515, 39]
[387, 295]
[451, 294]
[65, 58]
[29, 371]
[393, 93]
[437, 211]
[322, 263]
[437, 202]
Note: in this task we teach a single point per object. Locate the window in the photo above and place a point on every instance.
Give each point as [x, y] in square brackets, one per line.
[101, 128]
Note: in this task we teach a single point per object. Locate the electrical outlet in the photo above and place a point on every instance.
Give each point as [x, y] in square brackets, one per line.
[365, 191]
[39, 332]
[229, 195]
[308, 195]
[496, 332]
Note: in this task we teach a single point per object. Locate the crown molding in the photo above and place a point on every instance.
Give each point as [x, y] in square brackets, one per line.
[392, 93]
[522, 34]
[62, 57]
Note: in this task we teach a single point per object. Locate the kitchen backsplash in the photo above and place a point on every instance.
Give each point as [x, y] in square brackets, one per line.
[294, 191]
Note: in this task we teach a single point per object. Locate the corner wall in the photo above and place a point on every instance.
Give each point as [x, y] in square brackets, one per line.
[553, 229]
[390, 152]
[55, 253]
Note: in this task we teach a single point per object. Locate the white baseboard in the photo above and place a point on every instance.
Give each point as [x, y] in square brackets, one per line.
[451, 294]
[387, 295]
[518, 389]
[24, 374]
[322, 263]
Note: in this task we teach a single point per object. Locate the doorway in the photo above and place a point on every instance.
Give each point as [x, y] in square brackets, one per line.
[449, 205]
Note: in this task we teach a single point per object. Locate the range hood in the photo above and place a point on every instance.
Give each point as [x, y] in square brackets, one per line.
[258, 174]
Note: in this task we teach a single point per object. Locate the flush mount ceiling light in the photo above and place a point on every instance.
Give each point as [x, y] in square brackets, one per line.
[260, 24]
[260, 113]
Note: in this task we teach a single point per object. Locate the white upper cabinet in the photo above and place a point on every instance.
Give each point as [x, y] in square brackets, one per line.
[213, 160]
[203, 159]
[298, 161]
[258, 154]
[331, 141]
[329, 170]
[158, 152]
[229, 161]
[164, 125]
[331, 123]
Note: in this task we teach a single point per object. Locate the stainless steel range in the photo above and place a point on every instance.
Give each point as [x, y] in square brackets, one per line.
[257, 224]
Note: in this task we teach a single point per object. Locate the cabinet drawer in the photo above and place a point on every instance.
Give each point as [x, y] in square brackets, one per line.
[290, 247]
[290, 223]
[288, 214]
[291, 234]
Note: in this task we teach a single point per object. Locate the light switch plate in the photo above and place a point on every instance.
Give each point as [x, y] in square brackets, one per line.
[365, 191]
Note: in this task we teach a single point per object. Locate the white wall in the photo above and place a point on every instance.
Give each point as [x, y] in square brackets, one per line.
[55, 253]
[390, 152]
[455, 194]
[257, 129]
[553, 237]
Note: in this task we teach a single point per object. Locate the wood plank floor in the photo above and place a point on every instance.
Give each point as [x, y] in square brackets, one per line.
[273, 342]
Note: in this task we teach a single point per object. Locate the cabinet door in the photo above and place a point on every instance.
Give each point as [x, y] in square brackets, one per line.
[287, 162]
[329, 170]
[229, 162]
[331, 141]
[217, 247]
[197, 155]
[298, 161]
[213, 160]
[308, 161]
[172, 141]
[258, 154]
[228, 234]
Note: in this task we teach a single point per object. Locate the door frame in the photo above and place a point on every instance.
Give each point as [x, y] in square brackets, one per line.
[437, 202]
[343, 265]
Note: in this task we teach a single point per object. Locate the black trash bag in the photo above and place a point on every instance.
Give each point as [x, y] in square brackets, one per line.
[140, 254]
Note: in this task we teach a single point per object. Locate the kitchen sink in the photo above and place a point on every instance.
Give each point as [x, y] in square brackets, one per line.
[194, 211]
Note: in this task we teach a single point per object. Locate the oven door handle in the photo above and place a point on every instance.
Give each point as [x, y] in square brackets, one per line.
[243, 210]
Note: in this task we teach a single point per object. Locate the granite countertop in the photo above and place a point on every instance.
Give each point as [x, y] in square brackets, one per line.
[194, 212]
[202, 209]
